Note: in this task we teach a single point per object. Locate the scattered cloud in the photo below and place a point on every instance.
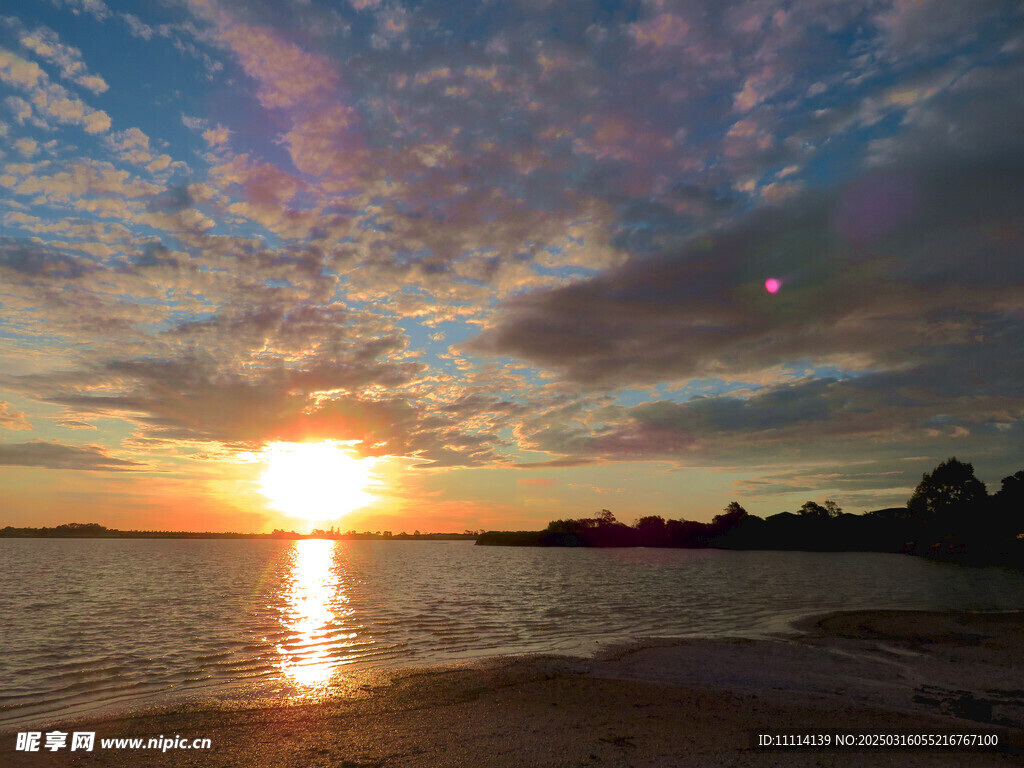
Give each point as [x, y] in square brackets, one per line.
[48, 100]
[12, 419]
[45, 44]
[95, 8]
[536, 236]
[51, 455]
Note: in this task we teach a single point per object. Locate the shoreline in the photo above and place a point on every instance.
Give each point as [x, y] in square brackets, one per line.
[678, 702]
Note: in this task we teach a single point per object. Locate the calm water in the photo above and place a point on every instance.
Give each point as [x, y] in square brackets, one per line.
[94, 626]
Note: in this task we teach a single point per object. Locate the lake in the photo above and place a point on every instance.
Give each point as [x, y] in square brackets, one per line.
[91, 626]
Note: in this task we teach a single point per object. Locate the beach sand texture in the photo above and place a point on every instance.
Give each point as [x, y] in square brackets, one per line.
[697, 702]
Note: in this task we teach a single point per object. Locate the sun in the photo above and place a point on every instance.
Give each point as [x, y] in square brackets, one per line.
[316, 481]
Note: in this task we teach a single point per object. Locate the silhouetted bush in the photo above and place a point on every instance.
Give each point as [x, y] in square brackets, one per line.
[950, 516]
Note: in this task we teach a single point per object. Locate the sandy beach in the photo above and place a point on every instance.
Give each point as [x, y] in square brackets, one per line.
[701, 702]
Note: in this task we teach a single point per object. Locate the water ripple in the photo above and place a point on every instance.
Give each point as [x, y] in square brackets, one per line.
[282, 618]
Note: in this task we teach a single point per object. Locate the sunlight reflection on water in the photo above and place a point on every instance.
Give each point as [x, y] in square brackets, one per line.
[310, 616]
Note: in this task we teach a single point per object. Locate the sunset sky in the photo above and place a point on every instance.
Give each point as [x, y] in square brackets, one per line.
[461, 265]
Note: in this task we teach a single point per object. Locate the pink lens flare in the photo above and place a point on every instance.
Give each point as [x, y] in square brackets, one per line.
[772, 285]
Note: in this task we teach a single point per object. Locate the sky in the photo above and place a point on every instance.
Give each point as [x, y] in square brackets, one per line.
[444, 265]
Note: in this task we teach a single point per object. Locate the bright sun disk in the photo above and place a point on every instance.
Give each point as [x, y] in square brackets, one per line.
[316, 481]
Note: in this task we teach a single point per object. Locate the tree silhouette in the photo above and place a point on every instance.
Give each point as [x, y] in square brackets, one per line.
[605, 517]
[813, 509]
[948, 494]
[731, 516]
[652, 531]
[1013, 490]
[1008, 506]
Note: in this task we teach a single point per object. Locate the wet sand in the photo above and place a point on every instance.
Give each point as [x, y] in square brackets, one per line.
[695, 702]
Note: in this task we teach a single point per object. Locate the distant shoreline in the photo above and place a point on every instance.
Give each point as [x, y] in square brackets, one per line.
[94, 531]
[1007, 556]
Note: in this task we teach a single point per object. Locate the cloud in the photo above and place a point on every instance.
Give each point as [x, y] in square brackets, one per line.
[894, 331]
[756, 88]
[866, 272]
[214, 137]
[75, 424]
[919, 25]
[138, 27]
[603, 200]
[44, 42]
[174, 199]
[20, 72]
[12, 419]
[172, 403]
[825, 430]
[38, 259]
[49, 99]
[536, 482]
[128, 141]
[27, 147]
[661, 30]
[857, 487]
[52, 455]
[132, 146]
[83, 181]
[155, 254]
[95, 8]
[288, 76]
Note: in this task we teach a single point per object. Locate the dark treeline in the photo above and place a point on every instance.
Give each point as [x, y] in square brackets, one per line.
[950, 515]
[97, 531]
